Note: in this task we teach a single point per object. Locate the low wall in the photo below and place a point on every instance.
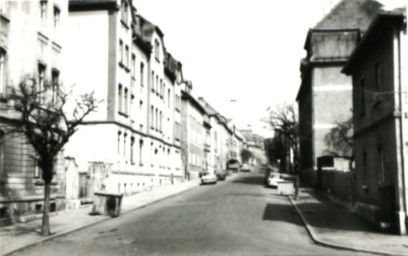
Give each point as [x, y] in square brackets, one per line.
[338, 183]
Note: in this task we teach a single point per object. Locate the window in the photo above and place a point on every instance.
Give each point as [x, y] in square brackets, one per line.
[133, 65]
[121, 51]
[118, 144]
[152, 82]
[56, 17]
[37, 171]
[41, 80]
[127, 55]
[161, 121]
[124, 145]
[140, 152]
[152, 117]
[157, 85]
[124, 11]
[141, 74]
[43, 12]
[157, 119]
[168, 97]
[157, 49]
[55, 85]
[132, 144]
[125, 101]
[362, 96]
[2, 72]
[120, 100]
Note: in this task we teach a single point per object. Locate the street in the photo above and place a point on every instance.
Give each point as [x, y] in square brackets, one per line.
[239, 216]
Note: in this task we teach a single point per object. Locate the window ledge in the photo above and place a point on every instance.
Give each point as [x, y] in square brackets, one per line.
[123, 114]
[124, 24]
[40, 182]
[4, 17]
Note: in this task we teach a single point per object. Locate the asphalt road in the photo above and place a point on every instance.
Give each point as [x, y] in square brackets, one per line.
[234, 217]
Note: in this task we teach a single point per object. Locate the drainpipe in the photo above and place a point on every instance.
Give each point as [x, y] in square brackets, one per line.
[401, 196]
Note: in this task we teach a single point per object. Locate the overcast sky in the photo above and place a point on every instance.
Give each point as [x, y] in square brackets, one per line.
[241, 55]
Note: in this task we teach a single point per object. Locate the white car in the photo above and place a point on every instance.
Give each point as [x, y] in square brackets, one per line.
[208, 178]
[274, 179]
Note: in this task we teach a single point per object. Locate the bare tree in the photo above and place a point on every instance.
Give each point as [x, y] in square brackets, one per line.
[339, 141]
[245, 155]
[47, 125]
[283, 120]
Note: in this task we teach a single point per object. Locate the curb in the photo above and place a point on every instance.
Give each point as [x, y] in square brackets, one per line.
[315, 238]
[63, 233]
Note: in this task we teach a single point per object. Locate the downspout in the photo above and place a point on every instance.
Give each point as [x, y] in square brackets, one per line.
[401, 182]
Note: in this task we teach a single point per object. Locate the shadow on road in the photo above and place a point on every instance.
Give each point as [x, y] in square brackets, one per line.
[281, 213]
[250, 180]
[327, 215]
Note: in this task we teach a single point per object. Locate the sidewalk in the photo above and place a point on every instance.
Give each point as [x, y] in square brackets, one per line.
[335, 226]
[22, 235]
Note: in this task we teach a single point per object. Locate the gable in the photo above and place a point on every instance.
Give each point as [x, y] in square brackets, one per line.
[350, 14]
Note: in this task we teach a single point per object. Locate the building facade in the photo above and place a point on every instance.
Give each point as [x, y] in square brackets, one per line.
[133, 129]
[195, 127]
[324, 97]
[40, 23]
[380, 103]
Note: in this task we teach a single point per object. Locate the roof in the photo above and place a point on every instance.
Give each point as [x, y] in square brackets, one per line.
[347, 14]
[350, 14]
[186, 96]
[145, 28]
[384, 18]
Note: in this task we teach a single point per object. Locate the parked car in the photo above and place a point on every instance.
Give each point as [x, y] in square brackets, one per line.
[245, 168]
[221, 175]
[274, 179]
[208, 178]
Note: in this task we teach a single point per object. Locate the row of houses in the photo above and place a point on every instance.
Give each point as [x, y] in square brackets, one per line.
[355, 69]
[149, 129]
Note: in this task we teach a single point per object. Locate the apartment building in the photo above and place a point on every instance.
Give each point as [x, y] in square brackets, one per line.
[40, 23]
[124, 60]
[324, 97]
[195, 127]
[380, 82]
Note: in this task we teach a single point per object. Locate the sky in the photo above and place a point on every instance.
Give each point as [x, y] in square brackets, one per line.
[242, 56]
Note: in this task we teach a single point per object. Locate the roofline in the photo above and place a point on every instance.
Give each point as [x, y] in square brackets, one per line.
[190, 98]
[379, 18]
[92, 5]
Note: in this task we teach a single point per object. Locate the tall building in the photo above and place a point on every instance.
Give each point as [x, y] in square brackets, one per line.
[380, 103]
[324, 96]
[122, 57]
[41, 24]
[195, 126]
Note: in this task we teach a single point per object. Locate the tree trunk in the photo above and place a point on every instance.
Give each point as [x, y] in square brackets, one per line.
[45, 229]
